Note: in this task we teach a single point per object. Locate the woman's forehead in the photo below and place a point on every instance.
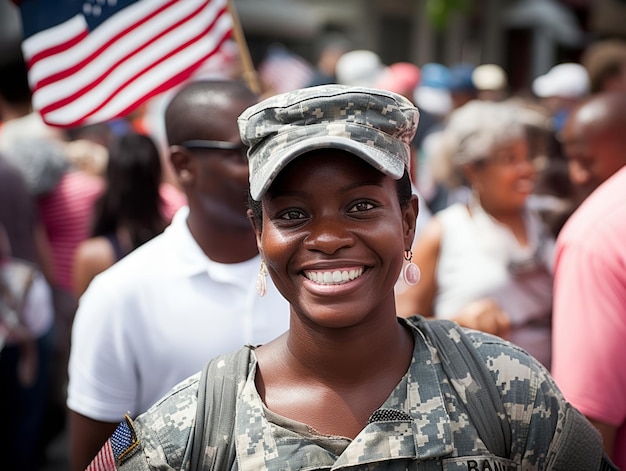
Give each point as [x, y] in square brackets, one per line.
[308, 167]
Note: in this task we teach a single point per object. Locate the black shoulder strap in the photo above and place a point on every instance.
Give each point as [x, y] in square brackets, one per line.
[484, 404]
[213, 447]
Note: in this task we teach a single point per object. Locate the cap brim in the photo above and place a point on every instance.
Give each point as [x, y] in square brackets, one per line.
[262, 177]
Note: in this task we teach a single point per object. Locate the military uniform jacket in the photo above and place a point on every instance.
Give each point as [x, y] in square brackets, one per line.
[423, 424]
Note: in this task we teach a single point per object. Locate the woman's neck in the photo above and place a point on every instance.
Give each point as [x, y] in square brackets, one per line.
[345, 355]
[333, 381]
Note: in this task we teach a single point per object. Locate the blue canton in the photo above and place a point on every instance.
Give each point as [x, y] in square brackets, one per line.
[124, 440]
[39, 15]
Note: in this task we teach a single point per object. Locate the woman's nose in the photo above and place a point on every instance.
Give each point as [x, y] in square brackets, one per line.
[328, 235]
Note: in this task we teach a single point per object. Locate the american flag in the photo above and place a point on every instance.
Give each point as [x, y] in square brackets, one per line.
[91, 61]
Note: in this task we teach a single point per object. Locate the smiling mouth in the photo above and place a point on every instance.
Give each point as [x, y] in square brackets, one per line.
[336, 277]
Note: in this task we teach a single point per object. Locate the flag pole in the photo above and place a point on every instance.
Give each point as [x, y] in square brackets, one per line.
[249, 73]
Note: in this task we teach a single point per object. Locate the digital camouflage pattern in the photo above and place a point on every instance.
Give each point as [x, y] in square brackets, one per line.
[376, 125]
[423, 425]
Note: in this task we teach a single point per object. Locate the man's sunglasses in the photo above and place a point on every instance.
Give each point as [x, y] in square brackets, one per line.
[239, 148]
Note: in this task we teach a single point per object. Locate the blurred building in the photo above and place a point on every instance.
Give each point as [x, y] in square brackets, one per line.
[525, 37]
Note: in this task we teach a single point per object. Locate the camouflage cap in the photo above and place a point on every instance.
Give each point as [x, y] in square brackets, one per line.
[373, 124]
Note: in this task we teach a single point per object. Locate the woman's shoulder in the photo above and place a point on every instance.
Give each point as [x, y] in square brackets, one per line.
[512, 367]
[157, 438]
[166, 429]
[500, 356]
[494, 349]
[92, 256]
[182, 397]
[533, 401]
[532, 404]
[541, 419]
[95, 251]
[182, 400]
[527, 389]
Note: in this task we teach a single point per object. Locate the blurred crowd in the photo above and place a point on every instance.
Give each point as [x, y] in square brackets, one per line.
[499, 174]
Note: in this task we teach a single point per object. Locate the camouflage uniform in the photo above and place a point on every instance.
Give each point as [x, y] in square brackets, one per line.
[423, 425]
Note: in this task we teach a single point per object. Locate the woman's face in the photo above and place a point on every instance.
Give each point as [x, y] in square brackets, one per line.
[334, 236]
[506, 178]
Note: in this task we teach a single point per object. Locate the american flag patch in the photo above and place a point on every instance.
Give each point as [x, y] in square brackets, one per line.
[120, 446]
[124, 440]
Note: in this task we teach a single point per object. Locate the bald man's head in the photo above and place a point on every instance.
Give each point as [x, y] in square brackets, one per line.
[197, 110]
[594, 139]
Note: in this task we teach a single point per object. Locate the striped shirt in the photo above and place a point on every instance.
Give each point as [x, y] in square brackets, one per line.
[67, 213]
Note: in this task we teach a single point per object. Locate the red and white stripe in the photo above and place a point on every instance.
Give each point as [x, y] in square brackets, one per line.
[104, 460]
[81, 77]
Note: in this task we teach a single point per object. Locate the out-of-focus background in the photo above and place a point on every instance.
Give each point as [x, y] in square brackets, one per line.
[525, 37]
[434, 44]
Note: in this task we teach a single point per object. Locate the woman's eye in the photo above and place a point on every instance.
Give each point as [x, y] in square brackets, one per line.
[292, 214]
[361, 206]
[512, 159]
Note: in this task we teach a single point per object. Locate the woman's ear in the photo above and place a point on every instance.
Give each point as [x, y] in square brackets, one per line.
[469, 171]
[257, 227]
[409, 220]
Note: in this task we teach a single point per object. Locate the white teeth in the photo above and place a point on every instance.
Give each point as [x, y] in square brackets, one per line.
[336, 277]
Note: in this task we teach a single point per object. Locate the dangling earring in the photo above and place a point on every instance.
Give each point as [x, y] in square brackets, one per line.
[261, 279]
[411, 272]
[475, 197]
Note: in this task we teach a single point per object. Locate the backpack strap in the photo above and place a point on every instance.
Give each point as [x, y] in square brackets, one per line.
[459, 358]
[215, 414]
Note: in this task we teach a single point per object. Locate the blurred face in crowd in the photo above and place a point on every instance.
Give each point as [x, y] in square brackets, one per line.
[504, 179]
[594, 145]
[217, 178]
[222, 181]
[208, 155]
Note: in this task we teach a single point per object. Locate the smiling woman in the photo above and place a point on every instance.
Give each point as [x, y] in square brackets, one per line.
[332, 238]
[350, 384]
